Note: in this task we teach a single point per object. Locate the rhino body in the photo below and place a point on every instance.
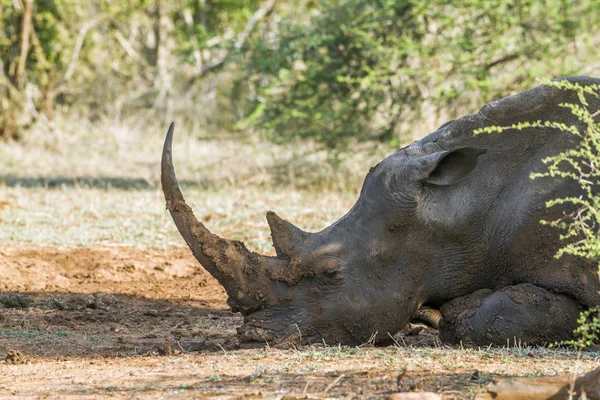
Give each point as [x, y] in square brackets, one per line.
[450, 222]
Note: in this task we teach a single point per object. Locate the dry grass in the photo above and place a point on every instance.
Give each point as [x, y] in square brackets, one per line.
[74, 216]
[122, 155]
[330, 372]
[68, 186]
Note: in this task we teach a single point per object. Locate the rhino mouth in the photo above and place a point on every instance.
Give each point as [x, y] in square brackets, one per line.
[276, 327]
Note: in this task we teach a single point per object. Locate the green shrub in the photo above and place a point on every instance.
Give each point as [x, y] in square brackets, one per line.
[588, 332]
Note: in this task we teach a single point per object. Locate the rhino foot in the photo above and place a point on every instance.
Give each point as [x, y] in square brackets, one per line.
[520, 314]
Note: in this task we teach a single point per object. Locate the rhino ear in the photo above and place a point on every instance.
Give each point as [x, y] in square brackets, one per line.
[446, 167]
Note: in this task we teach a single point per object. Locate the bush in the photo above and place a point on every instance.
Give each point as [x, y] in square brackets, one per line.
[358, 69]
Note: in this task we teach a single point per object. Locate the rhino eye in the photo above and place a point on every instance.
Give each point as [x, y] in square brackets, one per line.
[331, 274]
[327, 266]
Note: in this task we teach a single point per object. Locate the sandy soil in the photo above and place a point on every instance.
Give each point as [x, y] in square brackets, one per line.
[126, 322]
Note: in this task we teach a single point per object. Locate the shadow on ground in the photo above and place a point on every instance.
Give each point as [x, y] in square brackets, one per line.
[103, 182]
[58, 325]
[109, 301]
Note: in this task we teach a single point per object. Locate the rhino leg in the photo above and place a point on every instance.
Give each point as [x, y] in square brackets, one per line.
[520, 314]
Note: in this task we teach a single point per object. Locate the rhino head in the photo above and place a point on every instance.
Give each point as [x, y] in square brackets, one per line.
[359, 279]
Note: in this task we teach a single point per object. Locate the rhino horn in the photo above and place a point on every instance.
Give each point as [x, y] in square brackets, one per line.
[246, 276]
[286, 237]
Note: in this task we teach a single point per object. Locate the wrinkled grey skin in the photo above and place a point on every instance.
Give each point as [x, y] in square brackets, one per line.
[451, 221]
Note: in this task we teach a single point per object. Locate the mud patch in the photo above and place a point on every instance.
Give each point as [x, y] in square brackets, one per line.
[110, 302]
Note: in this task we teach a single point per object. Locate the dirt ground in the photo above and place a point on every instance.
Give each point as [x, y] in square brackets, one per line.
[131, 323]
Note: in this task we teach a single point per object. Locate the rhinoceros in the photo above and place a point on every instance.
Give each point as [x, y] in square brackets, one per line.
[451, 221]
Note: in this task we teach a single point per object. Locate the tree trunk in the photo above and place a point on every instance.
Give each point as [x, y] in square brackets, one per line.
[10, 106]
[157, 31]
[25, 33]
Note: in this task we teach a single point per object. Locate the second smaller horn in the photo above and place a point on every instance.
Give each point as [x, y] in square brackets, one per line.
[286, 237]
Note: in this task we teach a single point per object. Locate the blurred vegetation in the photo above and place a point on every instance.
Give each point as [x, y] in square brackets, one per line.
[333, 71]
[105, 59]
[360, 68]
